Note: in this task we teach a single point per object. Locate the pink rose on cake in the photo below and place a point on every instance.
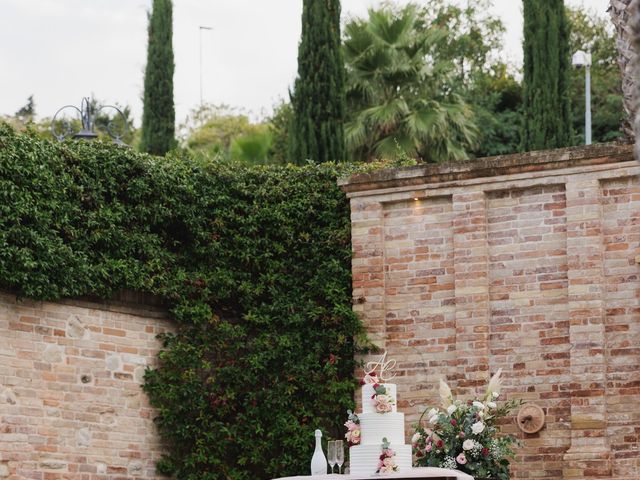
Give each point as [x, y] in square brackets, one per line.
[388, 465]
[351, 426]
[353, 433]
[387, 460]
[353, 437]
[383, 403]
[353, 429]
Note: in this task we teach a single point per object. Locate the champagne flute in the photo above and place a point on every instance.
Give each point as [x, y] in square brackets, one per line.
[339, 449]
[331, 453]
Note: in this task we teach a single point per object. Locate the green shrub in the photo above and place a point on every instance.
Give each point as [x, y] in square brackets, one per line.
[253, 261]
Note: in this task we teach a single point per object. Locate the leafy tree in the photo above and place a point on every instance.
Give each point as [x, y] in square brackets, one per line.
[547, 109]
[210, 129]
[497, 98]
[27, 112]
[593, 32]
[279, 125]
[400, 96]
[158, 118]
[226, 133]
[625, 16]
[318, 98]
[252, 147]
[471, 43]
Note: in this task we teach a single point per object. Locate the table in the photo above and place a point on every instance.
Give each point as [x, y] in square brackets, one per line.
[421, 472]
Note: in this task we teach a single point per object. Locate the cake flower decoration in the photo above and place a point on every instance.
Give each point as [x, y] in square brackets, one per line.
[387, 460]
[382, 402]
[353, 429]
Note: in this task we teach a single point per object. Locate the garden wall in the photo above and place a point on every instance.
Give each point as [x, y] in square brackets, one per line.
[71, 405]
[527, 263]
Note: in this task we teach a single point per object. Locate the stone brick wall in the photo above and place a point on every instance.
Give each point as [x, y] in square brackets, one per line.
[71, 406]
[527, 263]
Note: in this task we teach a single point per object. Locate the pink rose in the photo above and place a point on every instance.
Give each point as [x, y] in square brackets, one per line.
[428, 448]
[351, 425]
[461, 459]
[353, 437]
[383, 403]
[390, 453]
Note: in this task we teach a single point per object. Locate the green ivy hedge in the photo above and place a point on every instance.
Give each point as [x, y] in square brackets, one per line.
[253, 261]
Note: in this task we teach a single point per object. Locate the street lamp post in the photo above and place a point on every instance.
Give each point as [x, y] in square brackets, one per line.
[583, 59]
[201, 28]
[83, 124]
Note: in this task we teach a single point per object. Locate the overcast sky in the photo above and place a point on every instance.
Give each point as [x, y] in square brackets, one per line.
[62, 50]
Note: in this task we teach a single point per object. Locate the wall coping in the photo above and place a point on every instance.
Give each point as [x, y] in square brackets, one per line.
[536, 161]
[127, 302]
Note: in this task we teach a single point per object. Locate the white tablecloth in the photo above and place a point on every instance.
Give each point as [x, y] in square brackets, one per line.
[421, 472]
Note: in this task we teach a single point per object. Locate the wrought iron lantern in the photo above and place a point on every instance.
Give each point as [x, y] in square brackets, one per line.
[82, 123]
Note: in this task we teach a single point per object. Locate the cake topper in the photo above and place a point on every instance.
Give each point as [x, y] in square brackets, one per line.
[385, 373]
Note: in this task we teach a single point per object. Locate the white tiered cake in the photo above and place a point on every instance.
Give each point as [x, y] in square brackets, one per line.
[378, 445]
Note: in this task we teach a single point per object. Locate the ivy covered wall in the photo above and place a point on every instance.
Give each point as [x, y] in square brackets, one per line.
[253, 262]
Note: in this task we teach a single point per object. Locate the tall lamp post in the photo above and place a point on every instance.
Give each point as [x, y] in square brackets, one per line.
[201, 28]
[80, 123]
[583, 59]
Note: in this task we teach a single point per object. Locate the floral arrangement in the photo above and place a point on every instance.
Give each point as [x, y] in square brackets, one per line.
[382, 402]
[464, 435]
[353, 429]
[387, 462]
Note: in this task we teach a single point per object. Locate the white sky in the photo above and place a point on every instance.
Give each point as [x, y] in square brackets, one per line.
[62, 50]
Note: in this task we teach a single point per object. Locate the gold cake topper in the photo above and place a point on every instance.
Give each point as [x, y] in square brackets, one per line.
[385, 370]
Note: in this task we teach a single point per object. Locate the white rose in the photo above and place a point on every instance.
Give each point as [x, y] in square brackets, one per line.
[468, 444]
[432, 412]
[416, 437]
[496, 394]
[478, 405]
[433, 419]
[451, 409]
[492, 405]
[477, 427]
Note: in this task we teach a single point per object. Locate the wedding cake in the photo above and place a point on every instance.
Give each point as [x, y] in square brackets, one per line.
[376, 436]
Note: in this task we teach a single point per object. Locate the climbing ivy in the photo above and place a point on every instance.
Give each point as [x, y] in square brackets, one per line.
[253, 263]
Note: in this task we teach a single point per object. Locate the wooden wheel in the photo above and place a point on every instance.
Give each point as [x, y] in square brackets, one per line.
[530, 418]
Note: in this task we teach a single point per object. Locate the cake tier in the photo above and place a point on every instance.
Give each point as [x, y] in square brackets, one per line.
[368, 405]
[376, 426]
[363, 459]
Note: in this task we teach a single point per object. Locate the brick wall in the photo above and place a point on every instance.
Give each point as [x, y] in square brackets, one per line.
[527, 263]
[71, 406]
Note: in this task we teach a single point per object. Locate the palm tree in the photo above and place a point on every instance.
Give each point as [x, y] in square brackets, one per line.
[399, 97]
[624, 15]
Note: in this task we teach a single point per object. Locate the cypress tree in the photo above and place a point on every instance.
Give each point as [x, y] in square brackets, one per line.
[547, 110]
[318, 98]
[158, 117]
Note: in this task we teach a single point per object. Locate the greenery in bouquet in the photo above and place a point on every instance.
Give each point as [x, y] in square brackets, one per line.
[464, 435]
